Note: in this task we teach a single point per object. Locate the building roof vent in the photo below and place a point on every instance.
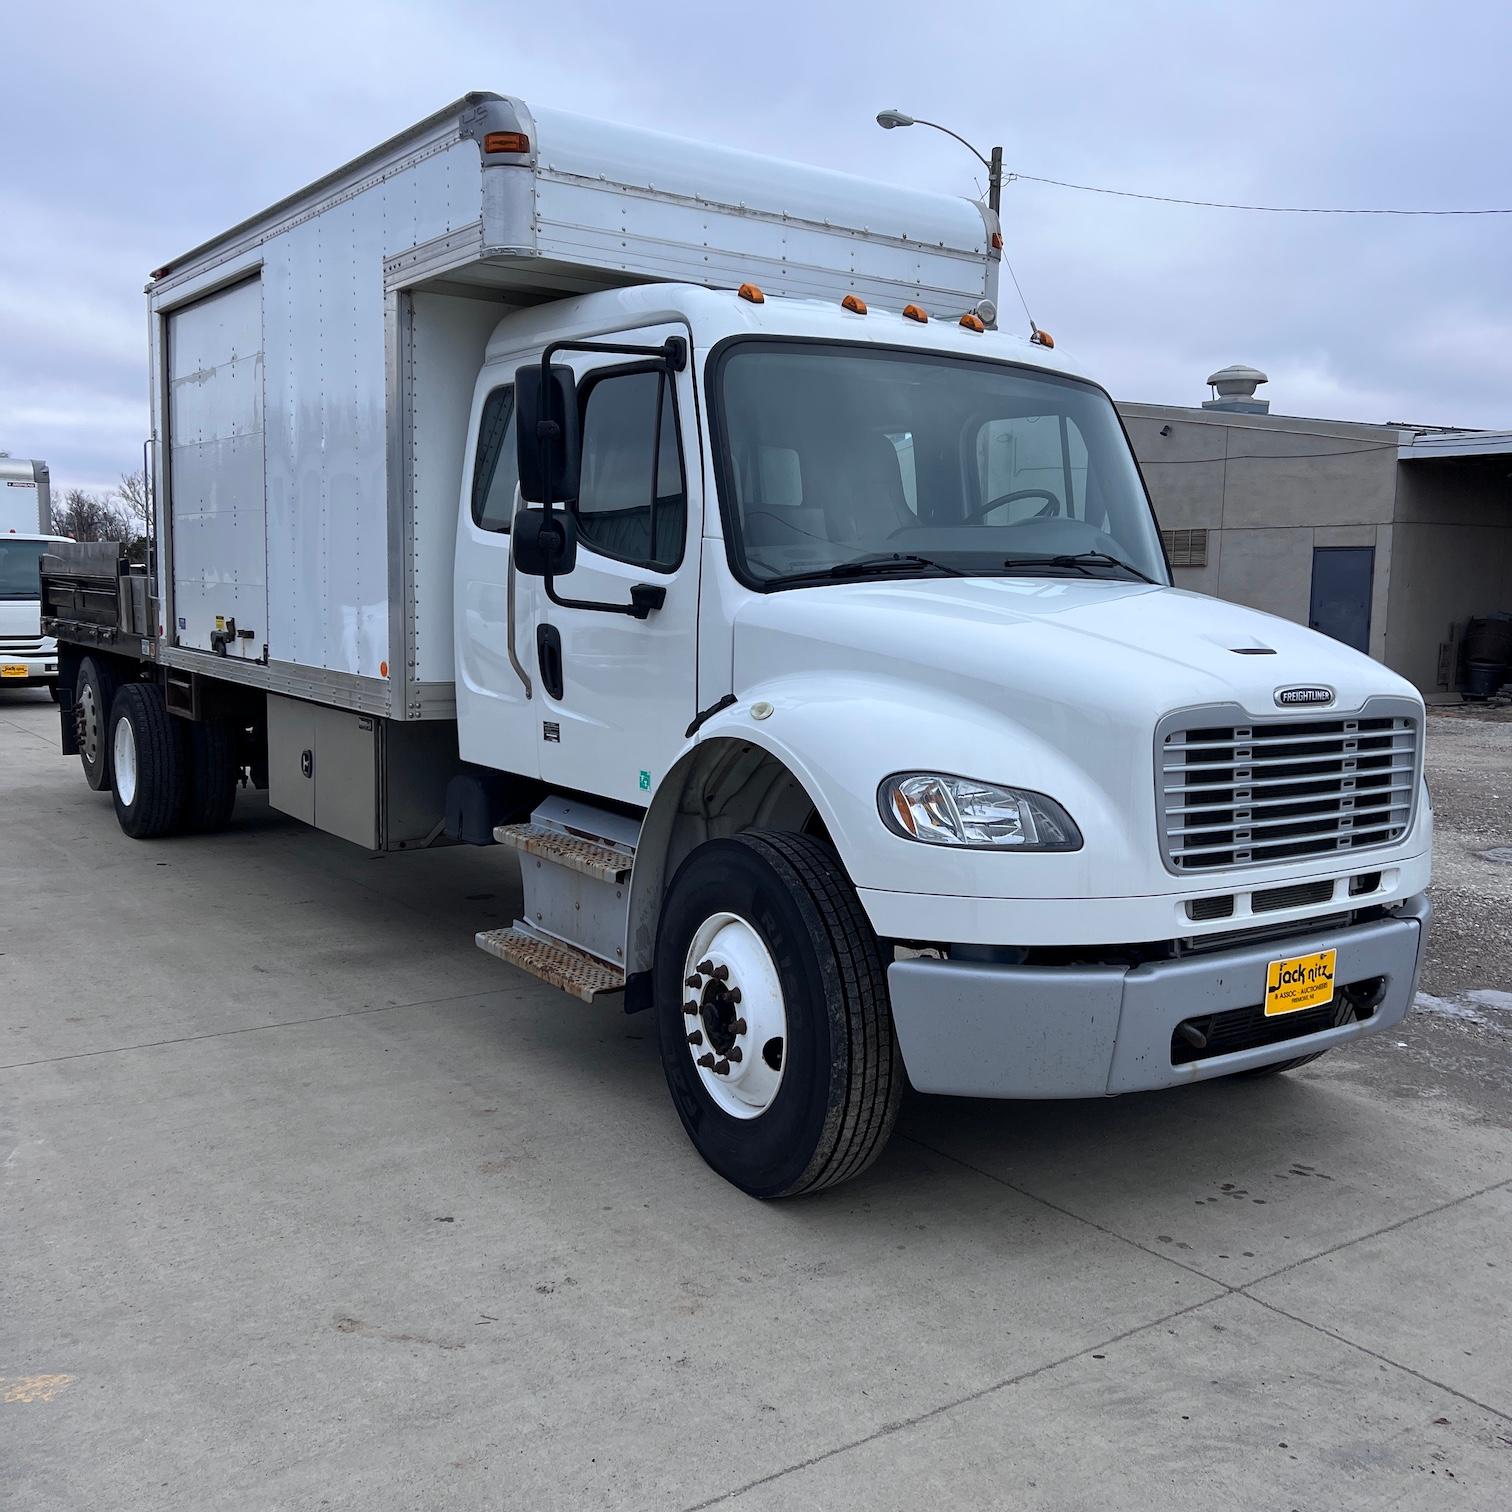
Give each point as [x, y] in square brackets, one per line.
[1234, 389]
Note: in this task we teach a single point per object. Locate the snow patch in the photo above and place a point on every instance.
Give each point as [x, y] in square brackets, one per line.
[1472, 1008]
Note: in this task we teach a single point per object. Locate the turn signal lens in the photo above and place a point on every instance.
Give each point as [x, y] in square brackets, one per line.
[506, 141]
[973, 322]
[914, 312]
[941, 810]
[751, 292]
[854, 305]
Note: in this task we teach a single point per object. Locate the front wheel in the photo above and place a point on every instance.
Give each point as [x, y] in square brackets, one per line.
[776, 1034]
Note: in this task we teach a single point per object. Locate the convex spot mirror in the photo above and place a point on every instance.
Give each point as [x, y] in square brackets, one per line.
[544, 542]
[548, 438]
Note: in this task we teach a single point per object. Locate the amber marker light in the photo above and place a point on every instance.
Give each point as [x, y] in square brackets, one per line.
[752, 293]
[973, 322]
[506, 141]
[853, 304]
[915, 312]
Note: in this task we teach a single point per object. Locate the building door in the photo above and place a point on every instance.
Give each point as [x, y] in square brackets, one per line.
[1341, 582]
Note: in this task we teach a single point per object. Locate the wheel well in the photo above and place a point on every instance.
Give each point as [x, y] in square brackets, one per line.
[721, 788]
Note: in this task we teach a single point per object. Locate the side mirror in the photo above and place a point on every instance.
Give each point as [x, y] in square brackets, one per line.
[548, 441]
[544, 543]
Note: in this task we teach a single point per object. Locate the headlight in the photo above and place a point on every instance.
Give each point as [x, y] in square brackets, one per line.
[942, 810]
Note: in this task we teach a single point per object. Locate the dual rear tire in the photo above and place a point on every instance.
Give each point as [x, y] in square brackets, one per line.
[166, 776]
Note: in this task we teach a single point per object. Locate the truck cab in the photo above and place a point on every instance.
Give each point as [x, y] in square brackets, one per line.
[28, 658]
[911, 605]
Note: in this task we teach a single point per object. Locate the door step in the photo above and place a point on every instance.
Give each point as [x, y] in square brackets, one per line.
[574, 971]
[601, 862]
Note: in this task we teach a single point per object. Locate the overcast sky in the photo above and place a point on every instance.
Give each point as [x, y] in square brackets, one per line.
[130, 132]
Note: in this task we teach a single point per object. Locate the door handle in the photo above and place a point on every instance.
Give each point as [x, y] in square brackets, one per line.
[549, 657]
[509, 610]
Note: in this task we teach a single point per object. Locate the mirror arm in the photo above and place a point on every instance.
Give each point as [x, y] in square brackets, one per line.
[673, 352]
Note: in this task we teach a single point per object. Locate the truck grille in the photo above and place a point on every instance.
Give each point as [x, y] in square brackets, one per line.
[1246, 794]
[21, 645]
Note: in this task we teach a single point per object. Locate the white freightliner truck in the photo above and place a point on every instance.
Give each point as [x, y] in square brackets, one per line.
[679, 520]
[27, 657]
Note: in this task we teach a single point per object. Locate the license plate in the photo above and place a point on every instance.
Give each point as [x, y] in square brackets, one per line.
[1299, 982]
[13, 669]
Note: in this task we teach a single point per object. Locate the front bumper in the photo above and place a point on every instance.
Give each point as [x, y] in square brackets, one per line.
[39, 669]
[980, 1030]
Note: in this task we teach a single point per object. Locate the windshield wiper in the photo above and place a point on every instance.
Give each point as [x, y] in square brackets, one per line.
[869, 566]
[1082, 561]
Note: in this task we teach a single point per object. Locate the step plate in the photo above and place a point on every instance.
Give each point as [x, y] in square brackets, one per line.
[598, 861]
[576, 973]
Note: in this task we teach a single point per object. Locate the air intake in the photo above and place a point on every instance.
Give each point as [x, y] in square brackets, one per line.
[1234, 390]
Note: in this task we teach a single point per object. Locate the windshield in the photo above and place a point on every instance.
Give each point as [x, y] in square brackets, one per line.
[843, 461]
[19, 577]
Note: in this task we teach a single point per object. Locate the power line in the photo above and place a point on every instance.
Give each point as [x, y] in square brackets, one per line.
[1348, 451]
[1168, 199]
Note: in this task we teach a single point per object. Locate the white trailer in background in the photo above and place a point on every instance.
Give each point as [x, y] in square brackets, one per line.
[25, 497]
[680, 520]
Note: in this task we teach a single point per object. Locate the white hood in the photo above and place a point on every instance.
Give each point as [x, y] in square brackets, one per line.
[1112, 645]
[1055, 685]
[20, 617]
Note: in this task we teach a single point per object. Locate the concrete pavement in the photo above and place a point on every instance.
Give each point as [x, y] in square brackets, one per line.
[308, 1203]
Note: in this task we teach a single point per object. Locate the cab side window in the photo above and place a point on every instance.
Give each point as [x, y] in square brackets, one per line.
[632, 497]
[496, 468]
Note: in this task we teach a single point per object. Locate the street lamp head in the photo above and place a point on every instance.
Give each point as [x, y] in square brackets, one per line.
[887, 119]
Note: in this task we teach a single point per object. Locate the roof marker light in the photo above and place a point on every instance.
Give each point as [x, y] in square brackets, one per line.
[506, 141]
[1042, 338]
[915, 312]
[855, 305]
[751, 292]
[973, 322]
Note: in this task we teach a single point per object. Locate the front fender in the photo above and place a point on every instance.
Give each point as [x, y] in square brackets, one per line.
[839, 737]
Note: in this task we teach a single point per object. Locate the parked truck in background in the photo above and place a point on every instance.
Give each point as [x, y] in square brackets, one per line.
[681, 521]
[25, 497]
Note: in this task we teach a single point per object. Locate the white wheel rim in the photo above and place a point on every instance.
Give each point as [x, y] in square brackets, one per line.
[733, 1016]
[125, 761]
[89, 719]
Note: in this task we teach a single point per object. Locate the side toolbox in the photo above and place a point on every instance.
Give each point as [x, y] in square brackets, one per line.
[373, 781]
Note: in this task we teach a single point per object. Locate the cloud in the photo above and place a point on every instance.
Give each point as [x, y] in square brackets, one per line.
[135, 132]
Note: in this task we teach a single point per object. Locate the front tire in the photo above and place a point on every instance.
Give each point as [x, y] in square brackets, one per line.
[772, 1012]
[147, 758]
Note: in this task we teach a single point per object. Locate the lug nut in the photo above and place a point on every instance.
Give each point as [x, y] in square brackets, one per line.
[720, 973]
[696, 1038]
[740, 1026]
[695, 981]
[707, 1061]
[734, 994]
[704, 967]
[691, 1009]
[721, 1068]
[735, 1053]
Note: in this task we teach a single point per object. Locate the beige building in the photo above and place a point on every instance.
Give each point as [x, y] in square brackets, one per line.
[1389, 537]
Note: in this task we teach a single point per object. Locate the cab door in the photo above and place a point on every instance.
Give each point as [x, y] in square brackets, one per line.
[497, 722]
[616, 694]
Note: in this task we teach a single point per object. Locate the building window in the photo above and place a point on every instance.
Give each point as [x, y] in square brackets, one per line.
[1186, 548]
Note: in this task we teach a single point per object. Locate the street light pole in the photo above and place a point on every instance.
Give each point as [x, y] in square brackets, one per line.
[888, 119]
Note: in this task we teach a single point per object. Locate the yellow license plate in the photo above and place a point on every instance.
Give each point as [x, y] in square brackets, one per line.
[13, 669]
[1299, 982]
